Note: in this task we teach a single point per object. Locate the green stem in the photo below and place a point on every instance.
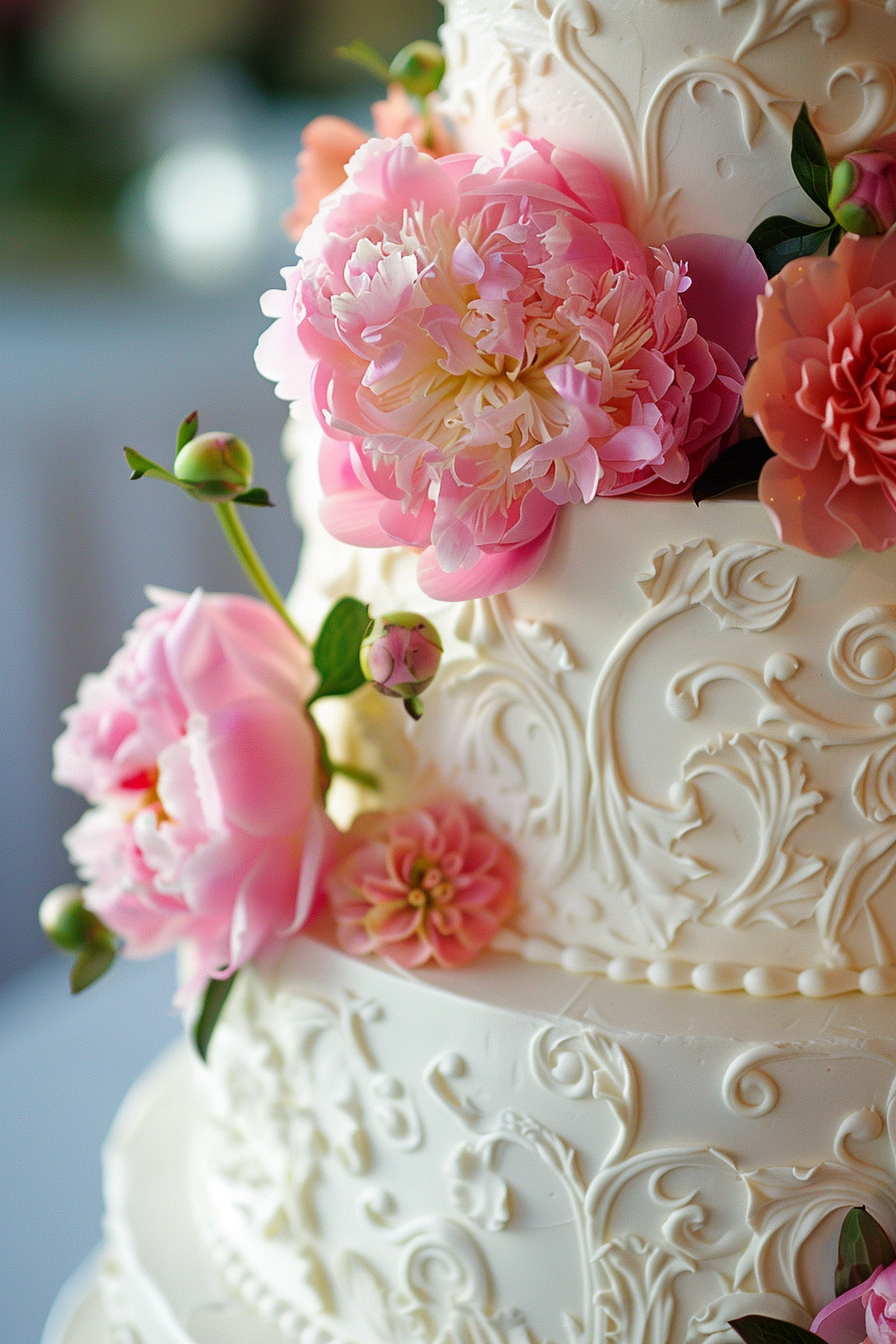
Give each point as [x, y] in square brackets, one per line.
[362, 777]
[252, 563]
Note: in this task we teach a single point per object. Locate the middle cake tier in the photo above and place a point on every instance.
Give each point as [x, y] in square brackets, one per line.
[686, 731]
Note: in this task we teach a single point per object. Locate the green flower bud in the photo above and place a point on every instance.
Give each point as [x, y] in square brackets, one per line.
[400, 655]
[67, 922]
[216, 466]
[418, 68]
[863, 192]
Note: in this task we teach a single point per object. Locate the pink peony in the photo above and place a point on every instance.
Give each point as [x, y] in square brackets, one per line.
[823, 391]
[431, 883]
[329, 142]
[196, 748]
[492, 343]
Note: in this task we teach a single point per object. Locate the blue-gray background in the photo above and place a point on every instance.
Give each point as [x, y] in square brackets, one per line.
[106, 339]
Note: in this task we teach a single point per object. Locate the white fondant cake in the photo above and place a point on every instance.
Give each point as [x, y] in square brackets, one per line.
[689, 103]
[688, 734]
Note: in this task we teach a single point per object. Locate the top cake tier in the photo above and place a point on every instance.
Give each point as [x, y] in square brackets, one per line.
[688, 103]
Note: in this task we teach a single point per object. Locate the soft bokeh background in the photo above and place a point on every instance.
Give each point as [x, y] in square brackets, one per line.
[146, 154]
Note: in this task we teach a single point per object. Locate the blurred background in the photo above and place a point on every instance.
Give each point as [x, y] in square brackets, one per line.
[147, 149]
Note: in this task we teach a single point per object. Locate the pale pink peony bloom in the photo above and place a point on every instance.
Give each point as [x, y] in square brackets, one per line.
[196, 746]
[428, 884]
[492, 343]
[329, 142]
[823, 391]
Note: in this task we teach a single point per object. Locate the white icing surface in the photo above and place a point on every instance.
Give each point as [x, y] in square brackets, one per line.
[512, 1156]
[689, 103]
[686, 730]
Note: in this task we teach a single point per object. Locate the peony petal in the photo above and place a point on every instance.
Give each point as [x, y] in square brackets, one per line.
[499, 572]
[727, 279]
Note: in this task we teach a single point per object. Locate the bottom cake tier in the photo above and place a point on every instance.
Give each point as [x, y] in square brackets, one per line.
[502, 1155]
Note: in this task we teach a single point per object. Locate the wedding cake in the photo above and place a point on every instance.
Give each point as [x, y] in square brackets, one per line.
[643, 1112]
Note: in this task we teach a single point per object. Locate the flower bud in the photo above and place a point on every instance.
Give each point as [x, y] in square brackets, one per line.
[217, 466]
[400, 655]
[66, 921]
[418, 68]
[863, 192]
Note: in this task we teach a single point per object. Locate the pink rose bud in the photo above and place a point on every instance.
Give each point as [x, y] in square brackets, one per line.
[863, 192]
[400, 655]
[218, 466]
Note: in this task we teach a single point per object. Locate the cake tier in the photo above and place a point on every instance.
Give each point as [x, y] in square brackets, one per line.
[685, 730]
[690, 105]
[504, 1155]
[157, 1282]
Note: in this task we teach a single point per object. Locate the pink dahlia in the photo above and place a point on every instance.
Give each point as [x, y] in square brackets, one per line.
[823, 390]
[195, 746]
[492, 343]
[429, 884]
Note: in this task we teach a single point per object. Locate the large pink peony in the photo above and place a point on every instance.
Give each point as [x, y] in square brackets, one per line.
[492, 343]
[823, 391]
[432, 883]
[195, 746]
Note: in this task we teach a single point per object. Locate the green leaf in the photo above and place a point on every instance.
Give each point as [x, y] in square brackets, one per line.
[766, 1330]
[338, 645]
[144, 466]
[778, 240]
[739, 465]
[213, 1001]
[864, 1247]
[367, 57]
[186, 430]
[256, 496]
[809, 161]
[91, 962]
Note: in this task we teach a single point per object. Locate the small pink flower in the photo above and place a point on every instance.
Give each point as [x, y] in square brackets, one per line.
[329, 142]
[401, 654]
[863, 190]
[823, 391]
[492, 343]
[195, 747]
[879, 1301]
[865, 1314]
[429, 884]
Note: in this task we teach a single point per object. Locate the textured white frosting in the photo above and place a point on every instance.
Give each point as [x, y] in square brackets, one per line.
[507, 1158]
[686, 730]
[689, 103]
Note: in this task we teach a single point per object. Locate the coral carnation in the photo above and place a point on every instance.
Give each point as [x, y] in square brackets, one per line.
[492, 343]
[196, 748]
[430, 884]
[329, 142]
[823, 391]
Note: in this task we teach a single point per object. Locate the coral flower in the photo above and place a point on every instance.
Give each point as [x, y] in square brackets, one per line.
[492, 343]
[195, 747]
[329, 142]
[823, 391]
[429, 884]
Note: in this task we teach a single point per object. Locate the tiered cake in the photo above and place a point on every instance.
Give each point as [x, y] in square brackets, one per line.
[644, 1113]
